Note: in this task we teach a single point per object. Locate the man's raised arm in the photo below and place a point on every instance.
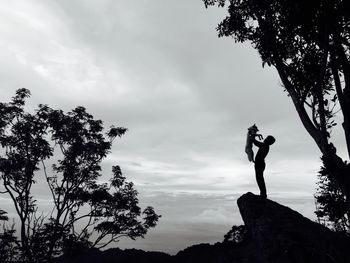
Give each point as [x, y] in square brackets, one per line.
[257, 143]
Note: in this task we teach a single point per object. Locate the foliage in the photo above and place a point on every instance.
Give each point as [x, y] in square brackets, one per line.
[86, 212]
[3, 216]
[237, 234]
[308, 42]
[331, 208]
[8, 240]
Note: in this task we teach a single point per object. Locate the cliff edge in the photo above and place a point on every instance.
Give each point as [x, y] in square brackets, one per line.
[283, 235]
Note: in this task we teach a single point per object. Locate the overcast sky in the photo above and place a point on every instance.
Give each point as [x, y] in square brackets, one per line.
[187, 97]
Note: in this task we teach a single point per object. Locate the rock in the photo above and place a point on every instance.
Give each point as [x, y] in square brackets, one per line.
[282, 235]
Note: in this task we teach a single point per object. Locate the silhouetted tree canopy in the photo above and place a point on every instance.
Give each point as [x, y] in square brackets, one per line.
[85, 213]
[236, 234]
[331, 208]
[308, 42]
[8, 240]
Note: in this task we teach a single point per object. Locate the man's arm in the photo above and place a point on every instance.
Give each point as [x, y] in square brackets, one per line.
[259, 136]
[257, 143]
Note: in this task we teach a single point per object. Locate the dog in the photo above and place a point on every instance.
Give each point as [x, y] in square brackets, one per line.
[252, 133]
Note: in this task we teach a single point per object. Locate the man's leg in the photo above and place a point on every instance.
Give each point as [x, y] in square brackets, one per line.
[259, 175]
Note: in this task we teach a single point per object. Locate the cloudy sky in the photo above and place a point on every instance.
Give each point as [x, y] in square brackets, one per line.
[186, 96]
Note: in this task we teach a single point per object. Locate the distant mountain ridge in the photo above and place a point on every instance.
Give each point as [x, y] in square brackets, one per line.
[277, 234]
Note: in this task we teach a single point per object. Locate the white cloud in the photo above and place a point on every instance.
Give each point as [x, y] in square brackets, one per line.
[215, 216]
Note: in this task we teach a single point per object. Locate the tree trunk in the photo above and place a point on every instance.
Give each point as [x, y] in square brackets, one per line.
[334, 164]
[27, 253]
[346, 114]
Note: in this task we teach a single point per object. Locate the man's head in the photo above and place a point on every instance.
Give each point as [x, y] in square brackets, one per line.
[270, 140]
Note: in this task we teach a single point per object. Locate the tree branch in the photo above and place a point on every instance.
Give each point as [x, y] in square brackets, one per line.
[298, 104]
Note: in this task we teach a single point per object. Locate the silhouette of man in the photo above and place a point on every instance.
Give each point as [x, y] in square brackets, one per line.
[259, 164]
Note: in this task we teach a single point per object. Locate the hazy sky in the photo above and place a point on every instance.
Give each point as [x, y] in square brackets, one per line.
[186, 96]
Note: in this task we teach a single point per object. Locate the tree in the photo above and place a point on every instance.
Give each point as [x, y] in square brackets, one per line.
[237, 234]
[85, 212]
[331, 208]
[308, 42]
[22, 139]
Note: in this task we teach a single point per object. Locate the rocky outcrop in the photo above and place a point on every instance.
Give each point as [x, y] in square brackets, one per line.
[282, 235]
